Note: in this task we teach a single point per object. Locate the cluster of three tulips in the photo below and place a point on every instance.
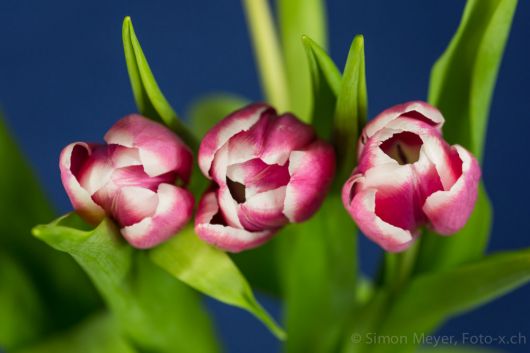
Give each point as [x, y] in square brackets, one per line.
[268, 170]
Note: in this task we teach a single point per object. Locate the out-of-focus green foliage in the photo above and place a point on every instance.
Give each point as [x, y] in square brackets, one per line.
[154, 311]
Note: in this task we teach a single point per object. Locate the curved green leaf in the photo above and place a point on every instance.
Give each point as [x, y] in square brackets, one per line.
[149, 99]
[432, 298]
[99, 334]
[463, 78]
[210, 271]
[351, 110]
[209, 110]
[297, 18]
[326, 85]
[157, 313]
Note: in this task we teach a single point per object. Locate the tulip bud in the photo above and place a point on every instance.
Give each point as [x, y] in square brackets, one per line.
[409, 176]
[132, 178]
[267, 171]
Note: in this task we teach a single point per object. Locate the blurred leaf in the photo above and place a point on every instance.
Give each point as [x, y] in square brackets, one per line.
[208, 111]
[326, 85]
[267, 53]
[351, 110]
[210, 271]
[463, 79]
[156, 312]
[149, 99]
[65, 290]
[440, 253]
[319, 262]
[297, 18]
[432, 298]
[20, 306]
[99, 334]
[462, 83]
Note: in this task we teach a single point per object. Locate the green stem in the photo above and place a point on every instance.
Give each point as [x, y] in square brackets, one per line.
[399, 267]
[267, 52]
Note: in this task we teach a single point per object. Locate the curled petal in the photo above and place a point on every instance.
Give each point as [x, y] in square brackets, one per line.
[173, 210]
[160, 150]
[389, 237]
[416, 110]
[449, 210]
[71, 161]
[312, 172]
[285, 134]
[263, 210]
[210, 227]
[241, 120]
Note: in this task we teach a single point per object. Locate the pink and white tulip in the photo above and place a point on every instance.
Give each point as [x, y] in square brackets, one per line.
[408, 176]
[267, 171]
[134, 178]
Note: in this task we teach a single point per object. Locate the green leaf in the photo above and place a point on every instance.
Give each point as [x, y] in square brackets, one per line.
[326, 85]
[267, 53]
[463, 79]
[209, 110]
[20, 305]
[65, 290]
[432, 298]
[470, 243]
[149, 99]
[319, 261]
[351, 110]
[210, 271]
[297, 18]
[98, 334]
[154, 311]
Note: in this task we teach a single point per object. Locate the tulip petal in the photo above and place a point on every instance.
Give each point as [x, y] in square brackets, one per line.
[415, 110]
[263, 210]
[71, 161]
[173, 211]
[160, 150]
[238, 121]
[448, 211]
[258, 176]
[388, 236]
[210, 227]
[285, 134]
[312, 172]
[133, 204]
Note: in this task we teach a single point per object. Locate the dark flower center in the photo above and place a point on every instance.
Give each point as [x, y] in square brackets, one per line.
[403, 147]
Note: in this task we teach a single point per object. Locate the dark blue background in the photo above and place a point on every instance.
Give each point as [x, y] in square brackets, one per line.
[63, 78]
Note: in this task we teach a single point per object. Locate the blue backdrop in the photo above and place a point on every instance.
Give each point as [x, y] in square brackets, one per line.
[63, 78]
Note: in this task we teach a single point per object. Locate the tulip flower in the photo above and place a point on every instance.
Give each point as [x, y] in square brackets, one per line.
[136, 178]
[408, 177]
[267, 171]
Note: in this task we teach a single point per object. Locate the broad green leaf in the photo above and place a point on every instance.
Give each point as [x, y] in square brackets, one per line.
[210, 271]
[432, 298]
[297, 18]
[326, 85]
[209, 110]
[149, 99]
[319, 262]
[439, 253]
[22, 311]
[267, 53]
[463, 78]
[351, 110]
[99, 334]
[65, 290]
[156, 312]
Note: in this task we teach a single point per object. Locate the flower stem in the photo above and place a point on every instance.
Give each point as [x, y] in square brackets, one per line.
[267, 52]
